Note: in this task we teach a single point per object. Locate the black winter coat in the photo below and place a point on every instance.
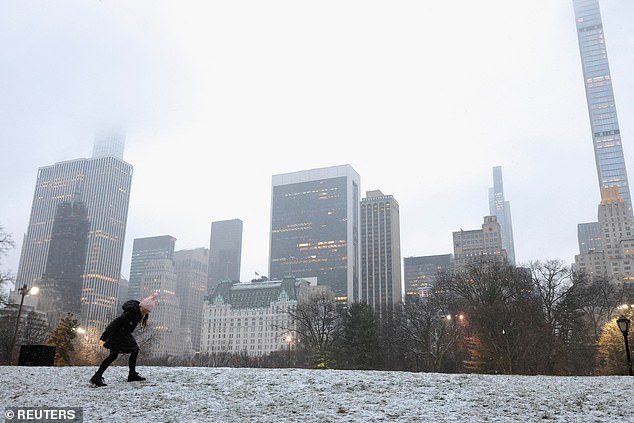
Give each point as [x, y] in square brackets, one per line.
[118, 335]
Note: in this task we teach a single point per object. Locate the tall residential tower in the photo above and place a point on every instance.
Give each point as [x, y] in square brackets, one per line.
[606, 135]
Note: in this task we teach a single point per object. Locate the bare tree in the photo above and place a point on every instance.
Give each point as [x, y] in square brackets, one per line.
[552, 281]
[6, 244]
[316, 322]
[504, 315]
[600, 297]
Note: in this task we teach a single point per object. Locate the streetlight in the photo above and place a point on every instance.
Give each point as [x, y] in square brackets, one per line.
[24, 291]
[289, 340]
[624, 325]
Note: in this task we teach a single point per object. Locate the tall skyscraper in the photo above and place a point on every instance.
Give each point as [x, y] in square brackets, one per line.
[61, 283]
[606, 135]
[104, 186]
[152, 269]
[144, 250]
[420, 273]
[225, 252]
[502, 210]
[381, 283]
[191, 289]
[315, 228]
[165, 334]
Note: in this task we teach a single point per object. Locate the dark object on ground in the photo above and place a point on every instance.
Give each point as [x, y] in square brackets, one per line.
[36, 355]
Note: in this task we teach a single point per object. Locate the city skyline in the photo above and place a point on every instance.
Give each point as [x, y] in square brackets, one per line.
[362, 93]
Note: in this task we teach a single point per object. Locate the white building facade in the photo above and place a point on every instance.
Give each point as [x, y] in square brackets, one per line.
[251, 317]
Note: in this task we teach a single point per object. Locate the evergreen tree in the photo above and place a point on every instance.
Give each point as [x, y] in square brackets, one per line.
[360, 344]
[611, 354]
[62, 339]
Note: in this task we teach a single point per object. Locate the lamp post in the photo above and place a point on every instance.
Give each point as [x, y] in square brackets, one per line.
[289, 340]
[624, 325]
[24, 291]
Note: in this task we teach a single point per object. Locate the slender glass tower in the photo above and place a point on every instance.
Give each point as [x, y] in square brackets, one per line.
[606, 136]
[502, 210]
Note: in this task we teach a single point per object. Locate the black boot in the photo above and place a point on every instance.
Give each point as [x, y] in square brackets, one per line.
[135, 377]
[97, 380]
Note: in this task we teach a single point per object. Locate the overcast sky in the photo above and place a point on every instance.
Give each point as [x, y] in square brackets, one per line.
[421, 98]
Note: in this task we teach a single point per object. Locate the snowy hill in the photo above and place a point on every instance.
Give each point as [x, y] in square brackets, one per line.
[179, 394]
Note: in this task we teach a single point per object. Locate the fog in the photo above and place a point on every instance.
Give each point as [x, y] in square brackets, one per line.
[421, 98]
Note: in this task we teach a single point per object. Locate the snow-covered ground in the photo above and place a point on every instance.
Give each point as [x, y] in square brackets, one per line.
[185, 394]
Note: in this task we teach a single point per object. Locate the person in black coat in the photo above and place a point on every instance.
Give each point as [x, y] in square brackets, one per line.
[119, 340]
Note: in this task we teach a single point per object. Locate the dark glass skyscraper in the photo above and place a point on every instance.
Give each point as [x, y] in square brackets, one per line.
[225, 252]
[315, 228]
[589, 237]
[606, 135]
[420, 273]
[62, 279]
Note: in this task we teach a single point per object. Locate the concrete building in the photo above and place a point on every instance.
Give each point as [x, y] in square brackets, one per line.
[315, 228]
[191, 289]
[485, 243]
[381, 282]
[420, 273]
[501, 209]
[33, 329]
[251, 317]
[616, 259]
[225, 252]
[164, 334]
[144, 250]
[103, 184]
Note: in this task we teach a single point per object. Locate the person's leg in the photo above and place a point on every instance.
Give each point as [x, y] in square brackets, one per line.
[107, 362]
[132, 362]
[133, 376]
[97, 378]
